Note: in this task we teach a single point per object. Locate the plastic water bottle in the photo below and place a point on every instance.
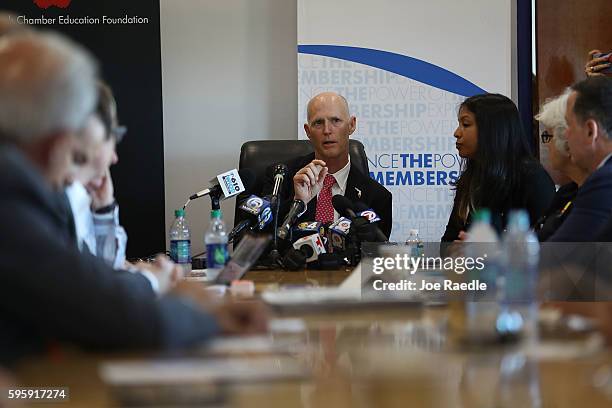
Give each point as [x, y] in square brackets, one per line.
[481, 307]
[415, 244]
[216, 244]
[180, 242]
[482, 241]
[481, 229]
[521, 250]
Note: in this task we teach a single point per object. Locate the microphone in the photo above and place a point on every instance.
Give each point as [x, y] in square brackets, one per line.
[372, 218]
[306, 249]
[228, 184]
[260, 215]
[364, 221]
[297, 207]
[311, 246]
[338, 232]
[280, 171]
[306, 228]
[344, 206]
[363, 211]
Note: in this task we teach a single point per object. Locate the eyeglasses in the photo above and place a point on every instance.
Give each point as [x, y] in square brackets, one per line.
[546, 137]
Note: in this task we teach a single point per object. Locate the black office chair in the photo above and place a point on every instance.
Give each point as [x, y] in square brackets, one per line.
[257, 155]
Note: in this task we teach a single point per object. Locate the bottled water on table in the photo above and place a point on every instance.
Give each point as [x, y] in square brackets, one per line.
[415, 243]
[481, 307]
[216, 244]
[518, 283]
[180, 241]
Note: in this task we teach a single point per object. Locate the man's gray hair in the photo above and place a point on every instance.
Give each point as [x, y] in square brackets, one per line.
[552, 116]
[47, 85]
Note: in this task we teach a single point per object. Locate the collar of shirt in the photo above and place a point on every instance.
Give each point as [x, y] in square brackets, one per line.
[341, 177]
[80, 204]
[604, 161]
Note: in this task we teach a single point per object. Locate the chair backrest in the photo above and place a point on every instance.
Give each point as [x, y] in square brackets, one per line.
[257, 155]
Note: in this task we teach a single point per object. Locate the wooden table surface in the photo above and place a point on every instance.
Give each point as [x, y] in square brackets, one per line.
[395, 357]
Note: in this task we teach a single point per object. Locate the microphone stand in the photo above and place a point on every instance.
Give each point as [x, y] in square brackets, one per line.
[274, 253]
[280, 171]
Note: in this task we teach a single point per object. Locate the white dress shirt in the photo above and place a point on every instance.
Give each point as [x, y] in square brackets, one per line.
[100, 234]
[604, 161]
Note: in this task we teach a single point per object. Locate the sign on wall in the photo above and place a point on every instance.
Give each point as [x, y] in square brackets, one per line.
[404, 67]
[124, 37]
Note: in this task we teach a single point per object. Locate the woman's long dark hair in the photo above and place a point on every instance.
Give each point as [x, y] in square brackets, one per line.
[497, 171]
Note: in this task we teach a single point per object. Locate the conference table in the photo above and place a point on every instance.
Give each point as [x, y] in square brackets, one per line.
[383, 357]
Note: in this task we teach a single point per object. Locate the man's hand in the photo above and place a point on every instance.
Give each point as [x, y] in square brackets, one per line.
[195, 292]
[101, 191]
[167, 272]
[595, 65]
[245, 317]
[308, 181]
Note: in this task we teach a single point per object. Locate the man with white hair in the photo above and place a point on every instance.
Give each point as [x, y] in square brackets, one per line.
[49, 291]
[552, 117]
[317, 177]
[589, 136]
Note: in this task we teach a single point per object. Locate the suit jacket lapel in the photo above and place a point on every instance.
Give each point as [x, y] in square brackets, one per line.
[354, 185]
[311, 207]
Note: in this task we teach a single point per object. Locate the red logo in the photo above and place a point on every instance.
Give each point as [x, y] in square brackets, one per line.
[45, 4]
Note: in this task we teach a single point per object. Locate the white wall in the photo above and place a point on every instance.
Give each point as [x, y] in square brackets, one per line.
[229, 73]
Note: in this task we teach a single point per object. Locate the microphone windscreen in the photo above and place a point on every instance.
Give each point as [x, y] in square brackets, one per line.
[341, 204]
[360, 206]
[248, 178]
[294, 260]
[307, 251]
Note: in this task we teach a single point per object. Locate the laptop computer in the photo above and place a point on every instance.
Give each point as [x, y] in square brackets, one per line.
[245, 255]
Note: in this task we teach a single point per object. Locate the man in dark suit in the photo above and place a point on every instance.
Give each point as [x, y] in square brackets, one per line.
[49, 291]
[589, 135]
[317, 177]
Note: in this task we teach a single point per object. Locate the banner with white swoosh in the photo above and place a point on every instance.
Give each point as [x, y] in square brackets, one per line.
[404, 67]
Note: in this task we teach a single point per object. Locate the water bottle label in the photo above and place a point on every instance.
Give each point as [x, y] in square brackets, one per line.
[180, 251]
[416, 248]
[216, 255]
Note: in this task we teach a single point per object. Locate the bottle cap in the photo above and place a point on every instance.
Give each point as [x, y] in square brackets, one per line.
[518, 220]
[482, 215]
[215, 214]
[179, 213]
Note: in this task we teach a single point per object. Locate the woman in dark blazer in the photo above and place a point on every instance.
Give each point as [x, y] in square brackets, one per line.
[499, 172]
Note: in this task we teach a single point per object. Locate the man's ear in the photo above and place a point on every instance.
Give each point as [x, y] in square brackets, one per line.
[55, 142]
[352, 124]
[592, 129]
[307, 130]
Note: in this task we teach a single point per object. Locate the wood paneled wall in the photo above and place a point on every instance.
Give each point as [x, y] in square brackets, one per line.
[566, 30]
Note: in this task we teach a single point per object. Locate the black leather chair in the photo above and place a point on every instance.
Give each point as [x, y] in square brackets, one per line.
[257, 155]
